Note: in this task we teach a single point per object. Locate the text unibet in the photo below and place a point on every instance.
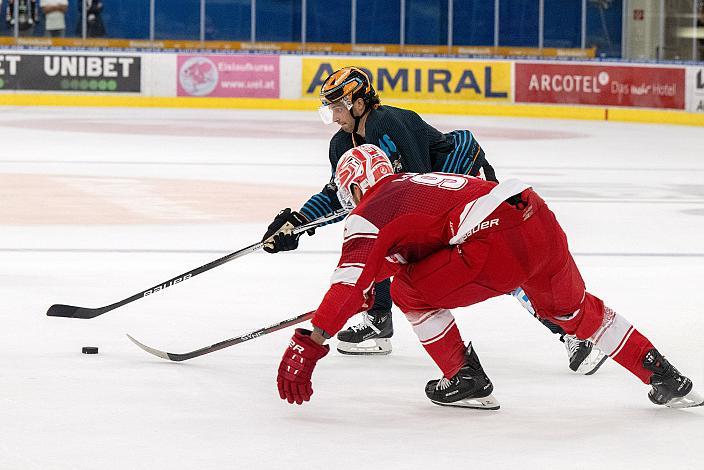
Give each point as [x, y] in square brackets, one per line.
[81, 66]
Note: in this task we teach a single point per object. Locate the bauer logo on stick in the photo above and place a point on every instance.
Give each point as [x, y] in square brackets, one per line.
[167, 284]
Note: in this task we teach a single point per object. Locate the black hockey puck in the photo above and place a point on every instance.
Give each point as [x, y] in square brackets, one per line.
[89, 350]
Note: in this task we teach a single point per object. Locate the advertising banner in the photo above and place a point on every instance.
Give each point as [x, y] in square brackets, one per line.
[228, 76]
[649, 87]
[695, 85]
[70, 72]
[419, 79]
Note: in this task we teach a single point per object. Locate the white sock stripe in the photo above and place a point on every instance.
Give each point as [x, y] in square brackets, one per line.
[613, 333]
[423, 317]
[440, 336]
[623, 343]
[359, 235]
[347, 275]
[352, 265]
[609, 317]
[434, 325]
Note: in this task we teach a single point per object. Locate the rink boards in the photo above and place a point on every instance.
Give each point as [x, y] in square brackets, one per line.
[668, 93]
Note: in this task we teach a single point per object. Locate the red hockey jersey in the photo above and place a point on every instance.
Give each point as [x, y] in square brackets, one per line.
[401, 220]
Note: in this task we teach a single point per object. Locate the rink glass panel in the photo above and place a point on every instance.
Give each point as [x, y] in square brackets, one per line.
[473, 23]
[604, 27]
[681, 29]
[177, 19]
[699, 41]
[518, 23]
[124, 19]
[278, 20]
[422, 22]
[228, 20]
[378, 21]
[328, 21]
[562, 23]
[426, 22]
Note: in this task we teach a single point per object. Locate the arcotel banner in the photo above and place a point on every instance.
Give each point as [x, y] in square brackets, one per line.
[419, 79]
[71, 72]
[648, 87]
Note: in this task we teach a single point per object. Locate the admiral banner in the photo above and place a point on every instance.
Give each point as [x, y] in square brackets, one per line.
[420, 79]
[650, 87]
[229, 76]
[70, 72]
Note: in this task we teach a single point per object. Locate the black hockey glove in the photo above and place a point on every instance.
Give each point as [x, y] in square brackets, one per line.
[279, 236]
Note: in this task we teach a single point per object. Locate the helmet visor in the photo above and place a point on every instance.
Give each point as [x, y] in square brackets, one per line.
[327, 111]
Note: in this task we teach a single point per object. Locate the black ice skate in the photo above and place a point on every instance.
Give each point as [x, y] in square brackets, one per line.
[670, 388]
[584, 357]
[369, 337]
[469, 388]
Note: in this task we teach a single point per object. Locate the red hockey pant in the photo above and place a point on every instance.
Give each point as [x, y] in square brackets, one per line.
[532, 254]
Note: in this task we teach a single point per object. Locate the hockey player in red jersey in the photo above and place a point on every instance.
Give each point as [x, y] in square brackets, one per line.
[451, 241]
[414, 146]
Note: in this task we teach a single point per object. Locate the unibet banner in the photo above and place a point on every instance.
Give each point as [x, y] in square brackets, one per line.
[419, 79]
[70, 72]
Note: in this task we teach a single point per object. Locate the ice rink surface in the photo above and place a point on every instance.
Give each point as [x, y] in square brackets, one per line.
[98, 204]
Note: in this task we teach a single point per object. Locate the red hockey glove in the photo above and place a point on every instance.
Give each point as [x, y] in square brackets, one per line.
[297, 366]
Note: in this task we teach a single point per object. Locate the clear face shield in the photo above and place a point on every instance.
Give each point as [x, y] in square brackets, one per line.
[327, 111]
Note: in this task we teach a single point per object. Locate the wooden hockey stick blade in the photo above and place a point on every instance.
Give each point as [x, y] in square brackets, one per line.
[178, 357]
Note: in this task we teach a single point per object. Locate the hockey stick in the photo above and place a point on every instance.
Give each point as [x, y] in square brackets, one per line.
[70, 311]
[226, 343]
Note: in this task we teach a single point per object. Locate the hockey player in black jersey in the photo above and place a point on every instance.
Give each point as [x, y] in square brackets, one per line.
[349, 99]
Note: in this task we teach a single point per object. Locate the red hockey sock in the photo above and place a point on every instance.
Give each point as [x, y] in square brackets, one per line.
[632, 353]
[441, 338]
[623, 343]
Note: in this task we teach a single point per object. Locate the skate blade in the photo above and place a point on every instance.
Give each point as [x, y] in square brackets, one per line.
[690, 400]
[370, 347]
[592, 363]
[484, 403]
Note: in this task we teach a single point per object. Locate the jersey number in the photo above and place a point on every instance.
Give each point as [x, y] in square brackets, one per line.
[444, 181]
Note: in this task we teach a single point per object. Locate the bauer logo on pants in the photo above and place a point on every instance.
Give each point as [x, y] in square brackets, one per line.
[70, 72]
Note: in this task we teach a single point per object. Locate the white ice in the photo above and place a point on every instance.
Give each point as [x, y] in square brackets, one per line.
[98, 204]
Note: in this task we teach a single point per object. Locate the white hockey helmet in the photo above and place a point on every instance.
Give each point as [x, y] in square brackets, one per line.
[363, 166]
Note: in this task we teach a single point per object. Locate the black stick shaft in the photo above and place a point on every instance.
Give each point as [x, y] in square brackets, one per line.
[70, 311]
[178, 357]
